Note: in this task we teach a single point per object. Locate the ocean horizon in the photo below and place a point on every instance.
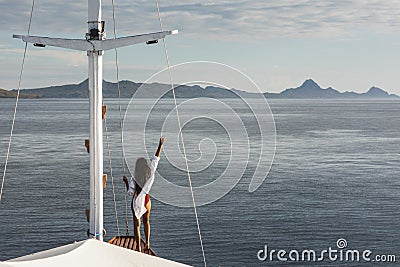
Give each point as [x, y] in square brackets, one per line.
[334, 177]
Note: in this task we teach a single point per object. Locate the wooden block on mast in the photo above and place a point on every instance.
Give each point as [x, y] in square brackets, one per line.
[104, 180]
[104, 111]
[87, 213]
[87, 145]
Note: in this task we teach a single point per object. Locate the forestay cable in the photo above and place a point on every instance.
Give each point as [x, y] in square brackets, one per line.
[16, 104]
[181, 133]
[120, 115]
[111, 174]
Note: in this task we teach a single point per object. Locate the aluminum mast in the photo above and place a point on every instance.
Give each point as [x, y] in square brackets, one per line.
[95, 45]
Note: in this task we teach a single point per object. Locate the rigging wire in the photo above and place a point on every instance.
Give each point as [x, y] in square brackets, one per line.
[16, 104]
[181, 133]
[120, 117]
[111, 174]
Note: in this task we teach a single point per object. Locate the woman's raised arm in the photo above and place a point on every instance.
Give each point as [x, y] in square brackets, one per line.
[160, 144]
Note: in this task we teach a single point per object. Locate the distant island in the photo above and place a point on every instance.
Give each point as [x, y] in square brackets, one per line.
[11, 94]
[308, 90]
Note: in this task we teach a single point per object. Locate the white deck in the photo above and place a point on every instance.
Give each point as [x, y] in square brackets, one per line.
[89, 252]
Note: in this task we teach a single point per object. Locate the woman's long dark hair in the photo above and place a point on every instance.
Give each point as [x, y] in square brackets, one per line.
[142, 173]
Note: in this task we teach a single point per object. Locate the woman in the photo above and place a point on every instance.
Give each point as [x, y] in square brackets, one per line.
[139, 188]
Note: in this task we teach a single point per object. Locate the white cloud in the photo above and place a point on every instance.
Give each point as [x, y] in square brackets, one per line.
[69, 58]
[212, 19]
[241, 21]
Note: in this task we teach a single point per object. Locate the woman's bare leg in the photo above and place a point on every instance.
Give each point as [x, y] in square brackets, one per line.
[146, 223]
[136, 223]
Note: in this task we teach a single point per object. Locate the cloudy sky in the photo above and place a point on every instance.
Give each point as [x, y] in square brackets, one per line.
[349, 45]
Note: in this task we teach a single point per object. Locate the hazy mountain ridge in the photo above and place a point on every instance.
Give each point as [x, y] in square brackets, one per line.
[11, 94]
[308, 90]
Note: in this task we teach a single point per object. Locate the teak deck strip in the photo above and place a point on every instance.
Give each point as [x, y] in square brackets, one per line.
[129, 243]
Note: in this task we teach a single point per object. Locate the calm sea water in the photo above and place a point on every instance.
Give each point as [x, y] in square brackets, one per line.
[335, 175]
